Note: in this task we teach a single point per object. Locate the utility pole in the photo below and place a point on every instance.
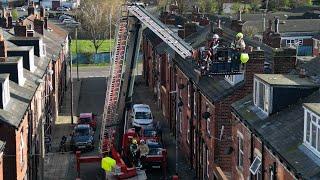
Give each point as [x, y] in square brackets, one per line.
[71, 81]
[76, 34]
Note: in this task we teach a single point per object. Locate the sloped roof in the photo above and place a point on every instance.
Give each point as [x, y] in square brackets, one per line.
[286, 138]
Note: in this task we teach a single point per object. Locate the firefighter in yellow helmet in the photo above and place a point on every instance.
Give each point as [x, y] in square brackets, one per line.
[239, 43]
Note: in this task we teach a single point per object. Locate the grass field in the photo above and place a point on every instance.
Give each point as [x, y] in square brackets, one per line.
[86, 46]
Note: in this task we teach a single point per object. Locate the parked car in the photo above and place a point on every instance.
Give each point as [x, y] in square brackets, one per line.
[141, 116]
[82, 137]
[63, 9]
[88, 118]
[65, 21]
[20, 9]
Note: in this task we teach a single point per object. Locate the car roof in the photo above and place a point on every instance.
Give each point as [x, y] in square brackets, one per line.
[82, 126]
[85, 115]
[142, 107]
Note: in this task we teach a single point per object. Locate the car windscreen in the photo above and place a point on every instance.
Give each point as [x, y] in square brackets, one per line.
[143, 115]
[82, 132]
[85, 120]
[149, 132]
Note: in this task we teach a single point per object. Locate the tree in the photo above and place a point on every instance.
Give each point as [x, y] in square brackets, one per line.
[14, 14]
[208, 6]
[94, 17]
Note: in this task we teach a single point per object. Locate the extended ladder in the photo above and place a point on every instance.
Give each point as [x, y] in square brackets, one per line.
[110, 120]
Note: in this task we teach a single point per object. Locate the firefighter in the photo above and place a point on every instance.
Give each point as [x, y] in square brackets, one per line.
[134, 151]
[214, 44]
[239, 43]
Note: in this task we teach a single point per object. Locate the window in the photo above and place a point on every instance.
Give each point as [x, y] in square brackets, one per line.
[272, 172]
[294, 42]
[312, 131]
[240, 150]
[6, 92]
[188, 95]
[234, 79]
[261, 95]
[208, 122]
[259, 174]
[195, 104]
[21, 147]
[180, 90]
[188, 136]
[255, 166]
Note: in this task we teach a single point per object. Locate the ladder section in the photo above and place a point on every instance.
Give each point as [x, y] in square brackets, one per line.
[110, 120]
[161, 30]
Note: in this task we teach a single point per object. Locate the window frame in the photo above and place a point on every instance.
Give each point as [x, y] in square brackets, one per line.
[267, 94]
[207, 163]
[309, 144]
[21, 146]
[240, 151]
[208, 121]
[180, 120]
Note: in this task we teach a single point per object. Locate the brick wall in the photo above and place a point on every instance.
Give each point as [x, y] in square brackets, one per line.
[12, 168]
[268, 159]
[284, 60]
[1, 165]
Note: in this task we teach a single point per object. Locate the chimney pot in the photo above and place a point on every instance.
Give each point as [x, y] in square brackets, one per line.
[276, 25]
[3, 48]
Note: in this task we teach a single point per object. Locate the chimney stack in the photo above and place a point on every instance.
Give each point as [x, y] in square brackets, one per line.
[45, 19]
[42, 12]
[239, 16]
[276, 25]
[284, 60]
[5, 90]
[38, 26]
[20, 30]
[3, 48]
[31, 8]
[9, 20]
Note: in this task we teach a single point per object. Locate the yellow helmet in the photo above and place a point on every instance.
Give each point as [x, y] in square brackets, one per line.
[134, 141]
[239, 35]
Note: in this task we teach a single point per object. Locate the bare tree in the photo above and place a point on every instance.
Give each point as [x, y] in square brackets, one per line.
[94, 16]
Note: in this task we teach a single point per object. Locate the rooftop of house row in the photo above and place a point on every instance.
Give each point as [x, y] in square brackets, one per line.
[21, 95]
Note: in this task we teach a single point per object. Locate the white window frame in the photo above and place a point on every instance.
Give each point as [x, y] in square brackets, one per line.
[21, 148]
[257, 158]
[208, 122]
[314, 121]
[188, 95]
[292, 42]
[5, 92]
[188, 136]
[272, 175]
[240, 151]
[266, 107]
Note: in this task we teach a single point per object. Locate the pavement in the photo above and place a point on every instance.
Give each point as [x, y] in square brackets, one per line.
[144, 94]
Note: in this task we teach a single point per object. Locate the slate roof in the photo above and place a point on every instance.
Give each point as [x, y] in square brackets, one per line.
[286, 80]
[287, 134]
[269, 15]
[22, 95]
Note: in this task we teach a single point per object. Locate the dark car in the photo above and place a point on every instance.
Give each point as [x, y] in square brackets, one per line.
[82, 137]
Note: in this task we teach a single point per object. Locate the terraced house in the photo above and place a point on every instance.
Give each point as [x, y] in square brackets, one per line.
[33, 80]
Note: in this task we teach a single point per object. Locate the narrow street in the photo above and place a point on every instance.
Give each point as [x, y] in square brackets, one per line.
[89, 95]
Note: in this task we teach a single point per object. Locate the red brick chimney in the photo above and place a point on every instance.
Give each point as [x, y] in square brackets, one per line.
[255, 65]
[20, 30]
[38, 25]
[189, 28]
[45, 19]
[236, 25]
[42, 12]
[3, 48]
[31, 8]
[10, 20]
[284, 60]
